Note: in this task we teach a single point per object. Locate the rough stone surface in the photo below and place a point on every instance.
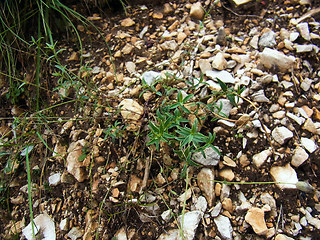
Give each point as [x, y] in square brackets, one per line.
[267, 39]
[131, 109]
[74, 166]
[260, 158]
[308, 144]
[255, 217]
[190, 223]
[273, 58]
[299, 157]
[281, 134]
[205, 182]
[211, 158]
[286, 177]
[224, 227]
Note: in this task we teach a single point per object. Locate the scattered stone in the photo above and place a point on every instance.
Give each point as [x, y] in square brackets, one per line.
[266, 198]
[245, 205]
[299, 157]
[306, 84]
[227, 174]
[204, 65]
[219, 62]
[205, 180]
[150, 77]
[308, 144]
[43, 228]
[131, 67]
[77, 161]
[221, 38]
[185, 196]
[310, 126]
[281, 134]
[299, 120]
[259, 158]
[181, 37]
[130, 109]
[268, 39]
[224, 227]
[255, 217]
[254, 42]
[303, 28]
[271, 58]
[286, 177]
[229, 162]
[190, 223]
[201, 204]
[169, 45]
[293, 36]
[225, 106]
[224, 76]
[259, 96]
[167, 9]
[54, 179]
[197, 11]
[211, 158]
[312, 220]
[166, 215]
[216, 210]
[306, 48]
[75, 233]
[127, 22]
[127, 49]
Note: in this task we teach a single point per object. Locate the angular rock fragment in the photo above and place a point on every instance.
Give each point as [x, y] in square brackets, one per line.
[211, 158]
[281, 134]
[272, 58]
[259, 158]
[224, 227]
[255, 217]
[76, 161]
[205, 180]
[299, 157]
[285, 177]
[42, 224]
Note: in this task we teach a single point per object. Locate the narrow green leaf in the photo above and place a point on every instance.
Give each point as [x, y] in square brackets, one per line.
[222, 85]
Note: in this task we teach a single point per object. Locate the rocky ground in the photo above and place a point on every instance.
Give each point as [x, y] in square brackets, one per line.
[104, 181]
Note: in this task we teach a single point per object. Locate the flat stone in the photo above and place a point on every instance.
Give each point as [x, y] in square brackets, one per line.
[306, 84]
[281, 134]
[44, 228]
[259, 96]
[131, 109]
[205, 180]
[169, 45]
[127, 49]
[54, 179]
[224, 76]
[201, 204]
[224, 227]
[225, 105]
[299, 120]
[266, 198]
[216, 209]
[150, 77]
[268, 39]
[127, 22]
[205, 65]
[312, 220]
[308, 144]
[131, 67]
[255, 217]
[211, 158]
[306, 48]
[254, 42]
[303, 28]
[299, 157]
[293, 36]
[259, 158]
[190, 223]
[227, 174]
[181, 37]
[75, 165]
[286, 177]
[310, 126]
[270, 57]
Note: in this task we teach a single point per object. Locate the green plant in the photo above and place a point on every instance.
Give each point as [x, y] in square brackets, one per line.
[171, 127]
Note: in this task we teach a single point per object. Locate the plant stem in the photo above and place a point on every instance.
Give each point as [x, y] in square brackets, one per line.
[29, 193]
